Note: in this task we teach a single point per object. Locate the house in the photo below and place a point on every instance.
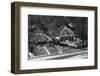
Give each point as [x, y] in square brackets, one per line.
[68, 37]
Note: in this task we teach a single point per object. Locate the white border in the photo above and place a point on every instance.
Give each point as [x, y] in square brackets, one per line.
[25, 64]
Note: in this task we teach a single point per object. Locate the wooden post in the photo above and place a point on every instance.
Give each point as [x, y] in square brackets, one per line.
[46, 50]
[59, 49]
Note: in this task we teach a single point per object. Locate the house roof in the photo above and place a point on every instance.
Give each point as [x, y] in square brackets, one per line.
[65, 31]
